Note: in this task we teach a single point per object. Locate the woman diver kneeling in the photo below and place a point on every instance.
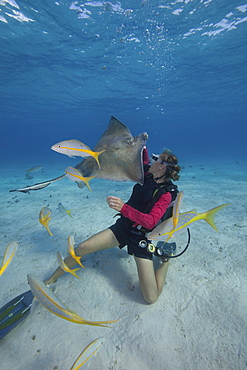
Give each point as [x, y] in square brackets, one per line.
[140, 214]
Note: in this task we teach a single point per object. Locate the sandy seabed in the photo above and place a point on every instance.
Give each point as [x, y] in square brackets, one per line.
[200, 319]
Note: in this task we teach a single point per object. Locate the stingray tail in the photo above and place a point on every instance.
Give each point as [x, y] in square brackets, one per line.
[96, 156]
[209, 215]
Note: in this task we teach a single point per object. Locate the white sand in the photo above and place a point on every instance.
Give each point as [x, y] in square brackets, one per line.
[200, 319]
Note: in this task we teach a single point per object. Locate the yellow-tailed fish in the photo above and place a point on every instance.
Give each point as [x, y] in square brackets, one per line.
[87, 353]
[53, 304]
[8, 256]
[63, 266]
[72, 250]
[45, 217]
[74, 175]
[76, 148]
[165, 230]
[176, 208]
[62, 209]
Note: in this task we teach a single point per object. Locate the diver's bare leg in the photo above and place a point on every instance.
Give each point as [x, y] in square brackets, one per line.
[102, 240]
[151, 281]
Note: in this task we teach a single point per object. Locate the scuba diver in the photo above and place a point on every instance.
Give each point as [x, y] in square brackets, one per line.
[148, 205]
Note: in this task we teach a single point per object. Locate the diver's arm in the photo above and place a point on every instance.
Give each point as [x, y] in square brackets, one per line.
[148, 220]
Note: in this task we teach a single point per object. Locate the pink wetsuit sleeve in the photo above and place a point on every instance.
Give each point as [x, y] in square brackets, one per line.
[148, 220]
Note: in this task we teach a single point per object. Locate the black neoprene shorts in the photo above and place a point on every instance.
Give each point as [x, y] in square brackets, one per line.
[127, 238]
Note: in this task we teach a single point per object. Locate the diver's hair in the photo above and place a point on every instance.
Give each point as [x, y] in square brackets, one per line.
[172, 171]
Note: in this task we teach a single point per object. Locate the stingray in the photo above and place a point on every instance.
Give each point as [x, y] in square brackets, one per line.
[120, 161]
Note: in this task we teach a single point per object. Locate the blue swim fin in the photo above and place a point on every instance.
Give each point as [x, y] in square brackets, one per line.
[14, 312]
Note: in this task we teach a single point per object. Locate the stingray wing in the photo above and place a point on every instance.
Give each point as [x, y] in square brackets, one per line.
[115, 130]
[122, 158]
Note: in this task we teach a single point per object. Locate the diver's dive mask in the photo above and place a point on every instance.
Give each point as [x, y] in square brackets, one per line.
[154, 158]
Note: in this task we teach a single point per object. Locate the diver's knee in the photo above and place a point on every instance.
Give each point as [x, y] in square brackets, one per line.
[150, 298]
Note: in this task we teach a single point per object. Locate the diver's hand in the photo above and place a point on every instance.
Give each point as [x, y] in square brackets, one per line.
[115, 203]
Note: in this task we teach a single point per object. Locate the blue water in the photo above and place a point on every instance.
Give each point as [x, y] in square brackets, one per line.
[176, 69]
